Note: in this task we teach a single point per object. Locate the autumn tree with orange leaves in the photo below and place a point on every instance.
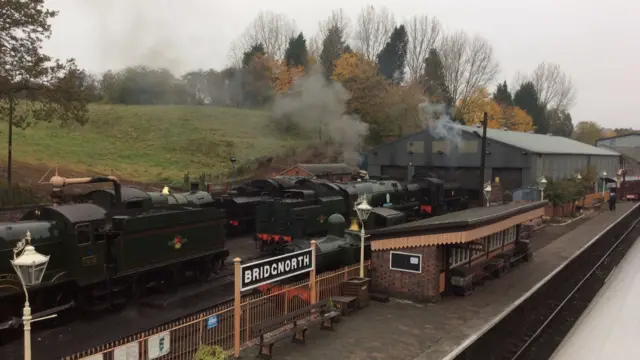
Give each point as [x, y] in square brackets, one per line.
[472, 110]
[286, 76]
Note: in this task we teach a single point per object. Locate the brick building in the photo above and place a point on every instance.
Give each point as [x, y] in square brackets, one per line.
[330, 172]
[445, 250]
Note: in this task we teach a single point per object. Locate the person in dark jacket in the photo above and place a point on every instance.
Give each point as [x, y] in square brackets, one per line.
[612, 201]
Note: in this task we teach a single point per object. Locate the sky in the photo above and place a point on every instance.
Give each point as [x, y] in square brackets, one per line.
[597, 43]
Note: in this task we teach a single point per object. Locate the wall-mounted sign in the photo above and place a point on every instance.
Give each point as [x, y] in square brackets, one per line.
[405, 262]
[276, 268]
[212, 321]
[476, 245]
[159, 345]
[127, 352]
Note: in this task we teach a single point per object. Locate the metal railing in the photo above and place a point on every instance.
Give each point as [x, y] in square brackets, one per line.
[187, 334]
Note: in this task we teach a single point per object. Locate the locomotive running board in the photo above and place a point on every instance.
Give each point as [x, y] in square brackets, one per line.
[16, 322]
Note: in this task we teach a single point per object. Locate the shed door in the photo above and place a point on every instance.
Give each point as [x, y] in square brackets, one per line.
[510, 179]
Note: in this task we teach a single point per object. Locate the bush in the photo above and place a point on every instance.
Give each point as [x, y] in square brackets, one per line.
[208, 352]
[563, 191]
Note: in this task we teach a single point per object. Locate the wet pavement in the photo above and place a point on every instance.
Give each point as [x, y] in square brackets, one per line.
[401, 330]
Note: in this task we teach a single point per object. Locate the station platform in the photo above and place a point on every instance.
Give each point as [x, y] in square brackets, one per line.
[609, 327]
[402, 330]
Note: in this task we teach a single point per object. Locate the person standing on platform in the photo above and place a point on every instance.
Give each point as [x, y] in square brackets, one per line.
[612, 200]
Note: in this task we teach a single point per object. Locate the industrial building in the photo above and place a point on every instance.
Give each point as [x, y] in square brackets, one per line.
[514, 159]
[628, 146]
[626, 140]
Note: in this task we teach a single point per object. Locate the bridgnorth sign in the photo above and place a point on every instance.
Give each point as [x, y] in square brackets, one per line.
[276, 268]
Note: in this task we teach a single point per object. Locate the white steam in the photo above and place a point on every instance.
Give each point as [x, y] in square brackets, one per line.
[319, 107]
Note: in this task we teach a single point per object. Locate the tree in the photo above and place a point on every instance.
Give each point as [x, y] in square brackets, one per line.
[296, 53]
[272, 30]
[392, 58]
[433, 80]
[287, 75]
[258, 79]
[254, 50]
[469, 65]
[526, 98]
[339, 19]
[33, 87]
[587, 132]
[477, 106]
[423, 33]
[502, 95]
[373, 29]
[332, 47]
[368, 93]
[512, 118]
[555, 88]
[560, 123]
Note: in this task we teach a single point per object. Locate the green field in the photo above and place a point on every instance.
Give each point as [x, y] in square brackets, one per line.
[151, 143]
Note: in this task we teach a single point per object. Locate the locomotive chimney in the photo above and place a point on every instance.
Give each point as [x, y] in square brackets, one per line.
[59, 182]
[195, 186]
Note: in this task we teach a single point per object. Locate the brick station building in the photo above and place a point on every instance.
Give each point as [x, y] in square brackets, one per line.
[466, 246]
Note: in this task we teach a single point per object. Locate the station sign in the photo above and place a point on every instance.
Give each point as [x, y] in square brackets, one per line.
[275, 269]
[408, 262]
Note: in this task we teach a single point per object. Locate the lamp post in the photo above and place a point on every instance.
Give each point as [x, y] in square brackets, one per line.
[487, 193]
[233, 169]
[363, 209]
[604, 174]
[542, 184]
[30, 267]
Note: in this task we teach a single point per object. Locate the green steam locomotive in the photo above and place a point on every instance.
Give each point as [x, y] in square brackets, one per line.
[102, 258]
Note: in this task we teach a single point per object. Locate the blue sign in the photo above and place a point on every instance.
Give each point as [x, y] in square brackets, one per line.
[212, 321]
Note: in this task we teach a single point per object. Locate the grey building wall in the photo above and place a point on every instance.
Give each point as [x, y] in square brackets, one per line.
[514, 166]
[566, 166]
[630, 140]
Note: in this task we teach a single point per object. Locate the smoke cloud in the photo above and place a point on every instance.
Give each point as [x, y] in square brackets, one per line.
[319, 107]
[434, 117]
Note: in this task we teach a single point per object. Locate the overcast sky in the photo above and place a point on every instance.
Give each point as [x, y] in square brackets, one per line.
[596, 42]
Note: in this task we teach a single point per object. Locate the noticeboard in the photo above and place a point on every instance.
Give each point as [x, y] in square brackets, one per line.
[275, 268]
[405, 262]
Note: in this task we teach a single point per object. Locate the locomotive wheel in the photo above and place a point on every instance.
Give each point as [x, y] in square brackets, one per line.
[68, 315]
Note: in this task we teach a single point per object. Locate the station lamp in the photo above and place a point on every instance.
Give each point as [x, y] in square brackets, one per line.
[487, 192]
[30, 267]
[363, 209]
[542, 184]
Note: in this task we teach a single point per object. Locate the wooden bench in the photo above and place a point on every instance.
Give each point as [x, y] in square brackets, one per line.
[277, 329]
[345, 304]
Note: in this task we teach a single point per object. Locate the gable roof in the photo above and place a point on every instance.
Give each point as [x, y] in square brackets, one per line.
[619, 136]
[630, 152]
[539, 143]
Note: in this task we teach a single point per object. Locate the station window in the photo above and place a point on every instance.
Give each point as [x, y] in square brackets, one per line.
[83, 233]
[468, 147]
[496, 241]
[440, 146]
[458, 256]
[477, 252]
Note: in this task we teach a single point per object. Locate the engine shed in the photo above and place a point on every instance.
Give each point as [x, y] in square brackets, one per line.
[448, 254]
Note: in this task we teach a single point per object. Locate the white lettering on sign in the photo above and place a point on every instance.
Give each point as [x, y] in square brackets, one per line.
[276, 269]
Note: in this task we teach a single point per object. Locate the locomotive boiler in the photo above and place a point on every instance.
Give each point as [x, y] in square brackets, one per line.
[301, 212]
[102, 258]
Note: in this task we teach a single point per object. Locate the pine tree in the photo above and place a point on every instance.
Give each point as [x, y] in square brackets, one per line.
[502, 95]
[392, 58]
[332, 47]
[254, 50]
[296, 53]
[526, 98]
[433, 80]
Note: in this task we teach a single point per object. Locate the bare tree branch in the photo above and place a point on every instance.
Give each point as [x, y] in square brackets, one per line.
[372, 31]
[272, 30]
[314, 46]
[555, 89]
[424, 33]
[337, 18]
[469, 64]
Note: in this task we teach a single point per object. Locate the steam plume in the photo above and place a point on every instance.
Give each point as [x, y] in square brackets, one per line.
[319, 107]
[435, 118]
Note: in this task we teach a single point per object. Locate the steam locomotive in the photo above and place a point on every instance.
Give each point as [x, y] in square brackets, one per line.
[302, 211]
[105, 253]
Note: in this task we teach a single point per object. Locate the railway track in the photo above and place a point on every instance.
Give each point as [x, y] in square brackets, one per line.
[534, 327]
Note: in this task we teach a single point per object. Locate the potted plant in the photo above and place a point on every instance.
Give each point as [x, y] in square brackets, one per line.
[210, 352]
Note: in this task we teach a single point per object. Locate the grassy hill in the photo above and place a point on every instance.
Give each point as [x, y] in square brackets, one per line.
[150, 143]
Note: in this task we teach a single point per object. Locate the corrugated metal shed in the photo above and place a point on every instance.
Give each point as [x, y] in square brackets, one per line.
[630, 152]
[541, 144]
